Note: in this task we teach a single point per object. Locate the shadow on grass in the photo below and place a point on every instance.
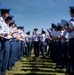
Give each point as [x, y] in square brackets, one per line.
[34, 74]
[39, 66]
[39, 70]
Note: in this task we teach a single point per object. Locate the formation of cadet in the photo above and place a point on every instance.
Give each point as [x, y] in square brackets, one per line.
[11, 41]
[58, 41]
[61, 43]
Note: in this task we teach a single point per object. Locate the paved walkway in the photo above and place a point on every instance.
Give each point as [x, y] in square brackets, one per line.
[36, 66]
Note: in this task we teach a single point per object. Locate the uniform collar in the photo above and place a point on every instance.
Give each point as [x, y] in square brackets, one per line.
[1, 18]
[6, 25]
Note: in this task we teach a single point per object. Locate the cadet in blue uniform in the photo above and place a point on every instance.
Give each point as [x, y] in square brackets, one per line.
[12, 48]
[22, 38]
[59, 46]
[7, 37]
[54, 50]
[65, 45]
[4, 14]
[43, 43]
[16, 35]
[19, 43]
[49, 40]
[28, 43]
[70, 31]
[13, 41]
[51, 43]
[36, 42]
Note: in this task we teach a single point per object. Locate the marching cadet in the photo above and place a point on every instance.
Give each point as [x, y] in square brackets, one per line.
[4, 13]
[28, 43]
[43, 43]
[35, 37]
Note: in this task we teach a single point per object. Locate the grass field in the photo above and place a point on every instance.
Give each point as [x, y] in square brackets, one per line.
[36, 66]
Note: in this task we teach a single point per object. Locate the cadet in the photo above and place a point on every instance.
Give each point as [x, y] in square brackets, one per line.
[48, 40]
[13, 42]
[19, 42]
[50, 31]
[4, 14]
[7, 37]
[70, 31]
[43, 43]
[59, 45]
[22, 38]
[12, 50]
[54, 51]
[65, 45]
[35, 37]
[28, 43]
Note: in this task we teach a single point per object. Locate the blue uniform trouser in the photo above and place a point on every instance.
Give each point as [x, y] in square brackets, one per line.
[12, 54]
[43, 44]
[22, 48]
[54, 51]
[6, 53]
[19, 50]
[28, 48]
[36, 48]
[59, 53]
[66, 58]
[1, 56]
[71, 50]
[16, 52]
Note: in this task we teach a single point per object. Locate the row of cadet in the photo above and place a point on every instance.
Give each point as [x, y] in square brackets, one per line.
[61, 45]
[11, 41]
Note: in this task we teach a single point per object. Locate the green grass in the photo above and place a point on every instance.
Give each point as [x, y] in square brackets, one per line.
[36, 66]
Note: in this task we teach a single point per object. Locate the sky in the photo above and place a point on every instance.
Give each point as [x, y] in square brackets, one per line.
[38, 13]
